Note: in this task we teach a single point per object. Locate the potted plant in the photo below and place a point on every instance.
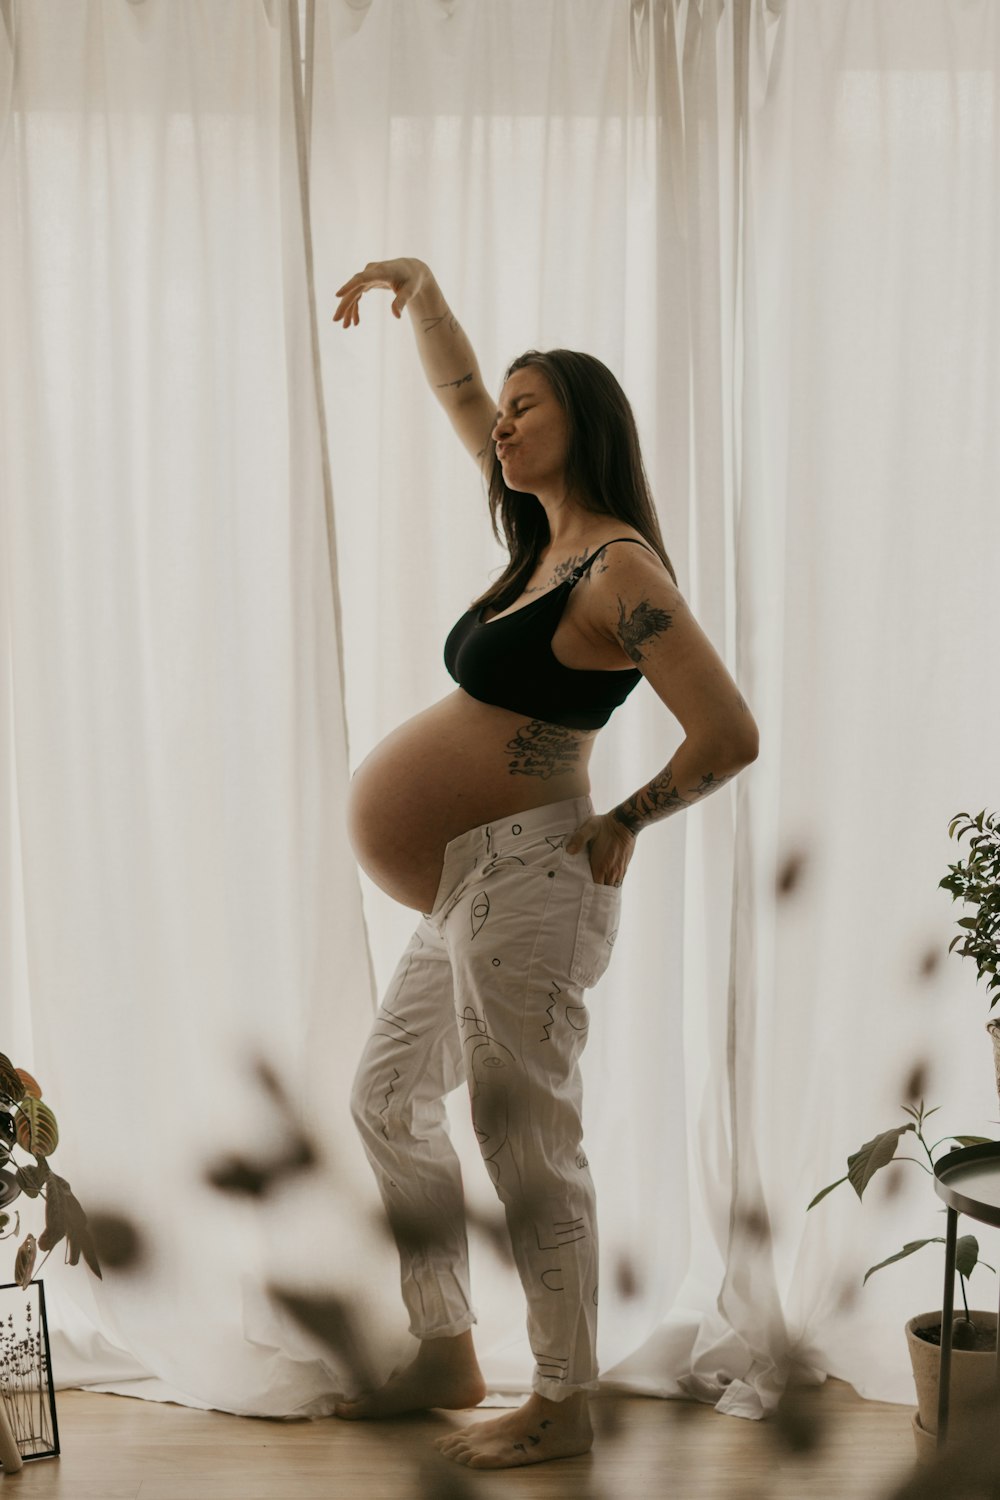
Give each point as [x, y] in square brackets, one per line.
[26, 1121]
[974, 1335]
[977, 882]
[28, 1427]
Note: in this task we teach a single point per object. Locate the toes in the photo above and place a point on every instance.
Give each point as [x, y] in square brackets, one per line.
[458, 1452]
[447, 1444]
[458, 1449]
[490, 1458]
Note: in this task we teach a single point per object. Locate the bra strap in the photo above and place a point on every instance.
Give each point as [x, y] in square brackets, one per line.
[579, 572]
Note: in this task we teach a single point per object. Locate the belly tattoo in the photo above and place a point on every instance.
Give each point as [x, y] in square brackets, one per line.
[542, 749]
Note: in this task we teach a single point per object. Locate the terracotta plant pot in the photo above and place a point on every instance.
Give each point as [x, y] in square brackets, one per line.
[973, 1381]
[925, 1442]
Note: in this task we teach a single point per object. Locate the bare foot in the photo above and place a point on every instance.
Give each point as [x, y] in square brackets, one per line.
[537, 1431]
[445, 1373]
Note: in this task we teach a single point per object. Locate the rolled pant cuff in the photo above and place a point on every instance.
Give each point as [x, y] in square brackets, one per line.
[559, 1390]
[446, 1330]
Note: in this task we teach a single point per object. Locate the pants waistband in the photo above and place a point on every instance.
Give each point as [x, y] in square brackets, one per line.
[502, 836]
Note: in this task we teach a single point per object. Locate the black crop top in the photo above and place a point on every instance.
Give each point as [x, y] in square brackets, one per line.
[509, 662]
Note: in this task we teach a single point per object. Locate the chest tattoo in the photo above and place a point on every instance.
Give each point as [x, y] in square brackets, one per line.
[559, 574]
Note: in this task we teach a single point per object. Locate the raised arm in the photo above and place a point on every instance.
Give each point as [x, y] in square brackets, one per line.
[448, 358]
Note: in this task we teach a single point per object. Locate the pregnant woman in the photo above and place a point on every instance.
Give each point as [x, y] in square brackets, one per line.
[477, 814]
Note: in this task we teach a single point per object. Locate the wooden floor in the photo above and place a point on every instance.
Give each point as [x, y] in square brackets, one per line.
[120, 1448]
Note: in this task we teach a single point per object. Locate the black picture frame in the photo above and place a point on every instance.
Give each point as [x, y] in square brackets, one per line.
[26, 1385]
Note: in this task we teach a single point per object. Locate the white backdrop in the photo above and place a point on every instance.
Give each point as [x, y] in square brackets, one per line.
[176, 883]
[777, 224]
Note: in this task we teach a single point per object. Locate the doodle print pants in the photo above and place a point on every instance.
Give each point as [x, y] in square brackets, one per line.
[490, 992]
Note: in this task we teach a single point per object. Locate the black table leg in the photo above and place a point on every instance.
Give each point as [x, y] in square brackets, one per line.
[947, 1312]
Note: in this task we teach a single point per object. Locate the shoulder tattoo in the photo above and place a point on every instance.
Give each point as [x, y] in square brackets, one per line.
[644, 624]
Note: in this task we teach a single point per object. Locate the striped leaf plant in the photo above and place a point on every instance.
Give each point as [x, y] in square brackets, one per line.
[26, 1121]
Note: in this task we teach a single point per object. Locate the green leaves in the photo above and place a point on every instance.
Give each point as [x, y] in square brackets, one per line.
[879, 1152]
[37, 1130]
[38, 1133]
[966, 1254]
[862, 1166]
[24, 1262]
[65, 1218]
[33, 1177]
[11, 1084]
[826, 1190]
[977, 883]
[876, 1153]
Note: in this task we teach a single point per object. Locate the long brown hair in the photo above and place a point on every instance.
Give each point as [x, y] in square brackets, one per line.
[604, 469]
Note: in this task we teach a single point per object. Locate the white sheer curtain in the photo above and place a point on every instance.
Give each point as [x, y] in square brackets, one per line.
[870, 510]
[775, 223]
[176, 884]
[709, 197]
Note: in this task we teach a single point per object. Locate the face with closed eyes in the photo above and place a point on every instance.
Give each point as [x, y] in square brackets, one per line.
[532, 435]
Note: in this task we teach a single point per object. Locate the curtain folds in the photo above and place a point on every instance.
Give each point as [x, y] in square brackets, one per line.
[233, 537]
[178, 896]
[640, 158]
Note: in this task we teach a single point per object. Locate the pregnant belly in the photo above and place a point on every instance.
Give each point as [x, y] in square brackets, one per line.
[454, 766]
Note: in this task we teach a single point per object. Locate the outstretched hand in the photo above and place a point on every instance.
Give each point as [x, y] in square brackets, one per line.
[611, 847]
[405, 277]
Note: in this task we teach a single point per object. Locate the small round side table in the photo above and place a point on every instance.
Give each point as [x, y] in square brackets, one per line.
[969, 1182]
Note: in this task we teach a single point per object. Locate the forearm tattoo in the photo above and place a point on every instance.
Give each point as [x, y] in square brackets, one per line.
[661, 797]
[709, 783]
[542, 749]
[643, 624]
[429, 324]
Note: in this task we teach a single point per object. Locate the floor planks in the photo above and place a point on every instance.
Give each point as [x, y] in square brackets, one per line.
[118, 1448]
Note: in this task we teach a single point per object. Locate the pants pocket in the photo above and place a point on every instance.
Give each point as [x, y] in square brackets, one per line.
[596, 930]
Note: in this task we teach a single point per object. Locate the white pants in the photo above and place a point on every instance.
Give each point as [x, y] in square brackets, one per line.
[489, 991]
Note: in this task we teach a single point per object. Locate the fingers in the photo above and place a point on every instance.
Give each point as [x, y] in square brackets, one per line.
[391, 275]
[580, 836]
[588, 836]
[350, 296]
[347, 309]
